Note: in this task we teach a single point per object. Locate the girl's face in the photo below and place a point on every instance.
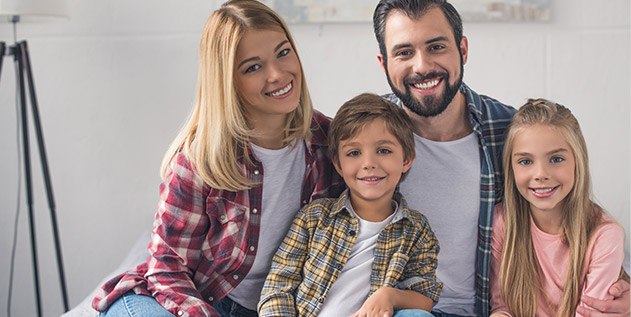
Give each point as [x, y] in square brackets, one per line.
[543, 164]
[267, 75]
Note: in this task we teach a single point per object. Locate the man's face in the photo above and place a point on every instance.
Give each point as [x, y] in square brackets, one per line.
[424, 65]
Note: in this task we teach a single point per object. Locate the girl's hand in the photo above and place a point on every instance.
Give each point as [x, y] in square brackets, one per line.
[379, 304]
[619, 306]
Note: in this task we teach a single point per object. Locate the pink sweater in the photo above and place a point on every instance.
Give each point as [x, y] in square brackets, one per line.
[603, 261]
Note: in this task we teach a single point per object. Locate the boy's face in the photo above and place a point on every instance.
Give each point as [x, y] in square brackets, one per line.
[371, 164]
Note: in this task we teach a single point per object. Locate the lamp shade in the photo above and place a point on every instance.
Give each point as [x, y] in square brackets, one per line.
[29, 10]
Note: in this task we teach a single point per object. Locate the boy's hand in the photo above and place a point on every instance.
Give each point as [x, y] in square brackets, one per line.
[619, 306]
[379, 304]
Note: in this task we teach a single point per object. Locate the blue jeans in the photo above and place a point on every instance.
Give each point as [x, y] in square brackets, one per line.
[439, 314]
[134, 305]
[412, 313]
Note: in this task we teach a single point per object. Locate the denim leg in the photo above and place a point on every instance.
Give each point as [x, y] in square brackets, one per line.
[229, 308]
[412, 313]
[134, 305]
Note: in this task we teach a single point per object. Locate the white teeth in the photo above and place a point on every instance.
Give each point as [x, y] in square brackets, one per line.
[371, 179]
[281, 91]
[543, 190]
[427, 85]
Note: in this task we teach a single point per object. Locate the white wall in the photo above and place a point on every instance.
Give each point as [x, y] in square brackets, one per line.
[115, 82]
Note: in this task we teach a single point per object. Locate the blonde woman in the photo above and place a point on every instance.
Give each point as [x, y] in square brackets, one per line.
[252, 153]
[551, 243]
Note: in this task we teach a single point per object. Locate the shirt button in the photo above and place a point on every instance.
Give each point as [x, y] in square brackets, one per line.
[256, 172]
[251, 248]
[304, 201]
[180, 313]
[236, 277]
[255, 210]
[351, 233]
[338, 266]
[210, 299]
[223, 217]
[321, 299]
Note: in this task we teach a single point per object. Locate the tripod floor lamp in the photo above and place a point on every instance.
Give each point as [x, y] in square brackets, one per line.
[16, 11]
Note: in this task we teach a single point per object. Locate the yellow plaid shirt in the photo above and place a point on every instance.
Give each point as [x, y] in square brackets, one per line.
[319, 243]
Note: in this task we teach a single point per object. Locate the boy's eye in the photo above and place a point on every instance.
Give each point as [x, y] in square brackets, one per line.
[252, 68]
[353, 153]
[524, 162]
[284, 52]
[556, 159]
[383, 151]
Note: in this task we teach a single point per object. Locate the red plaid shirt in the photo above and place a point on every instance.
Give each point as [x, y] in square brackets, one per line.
[204, 240]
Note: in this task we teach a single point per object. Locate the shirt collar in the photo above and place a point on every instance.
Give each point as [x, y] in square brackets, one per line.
[343, 203]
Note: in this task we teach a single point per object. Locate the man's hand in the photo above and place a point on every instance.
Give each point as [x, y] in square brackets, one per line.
[379, 304]
[618, 307]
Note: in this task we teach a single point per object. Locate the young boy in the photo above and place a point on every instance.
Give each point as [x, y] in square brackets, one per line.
[365, 253]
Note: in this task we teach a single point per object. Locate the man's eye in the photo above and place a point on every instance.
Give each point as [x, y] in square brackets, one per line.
[436, 47]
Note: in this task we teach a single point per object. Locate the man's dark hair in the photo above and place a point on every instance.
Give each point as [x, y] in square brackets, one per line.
[413, 9]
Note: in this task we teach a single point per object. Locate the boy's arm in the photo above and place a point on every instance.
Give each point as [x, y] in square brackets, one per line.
[277, 296]
[419, 274]
[384, 300]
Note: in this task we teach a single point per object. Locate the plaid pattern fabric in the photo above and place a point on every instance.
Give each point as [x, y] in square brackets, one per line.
[204, 240]
[489, 119]
[319, 243]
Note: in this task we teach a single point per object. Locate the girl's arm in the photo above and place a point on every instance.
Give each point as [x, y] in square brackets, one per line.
[498, 307]
[604, 258]
[277, 296]
[179, 231]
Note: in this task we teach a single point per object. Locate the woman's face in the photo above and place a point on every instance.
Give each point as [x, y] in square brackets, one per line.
[268, 75]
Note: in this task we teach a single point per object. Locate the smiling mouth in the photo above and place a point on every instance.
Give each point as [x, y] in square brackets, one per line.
[426, 85]
[371, 178]
[281, 92]
[543, 192]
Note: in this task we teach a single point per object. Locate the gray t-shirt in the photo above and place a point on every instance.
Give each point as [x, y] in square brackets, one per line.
[283, 173]
[444, 185]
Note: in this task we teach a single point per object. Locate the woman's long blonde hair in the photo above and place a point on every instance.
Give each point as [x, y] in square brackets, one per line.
[216, 132]
[520, 273]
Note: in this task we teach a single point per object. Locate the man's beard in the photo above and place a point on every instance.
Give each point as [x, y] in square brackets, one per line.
[428, 106]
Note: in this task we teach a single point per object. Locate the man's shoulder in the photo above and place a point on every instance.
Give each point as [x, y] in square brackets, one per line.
[488, 107]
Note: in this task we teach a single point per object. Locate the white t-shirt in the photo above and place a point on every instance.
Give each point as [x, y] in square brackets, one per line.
[283, 174]
[444, 185]
[350, 290]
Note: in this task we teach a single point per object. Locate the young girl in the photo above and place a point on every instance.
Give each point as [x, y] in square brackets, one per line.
[551, 242]
[251, 154]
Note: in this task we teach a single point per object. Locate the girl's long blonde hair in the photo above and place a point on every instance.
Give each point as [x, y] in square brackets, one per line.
[520, 273]
[216, 132]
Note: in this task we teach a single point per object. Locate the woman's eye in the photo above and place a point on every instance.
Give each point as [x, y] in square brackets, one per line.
[557, 159]
[284, 52]
[252, 68]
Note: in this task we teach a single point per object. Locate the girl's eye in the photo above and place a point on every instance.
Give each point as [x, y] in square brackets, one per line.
[524, 162]
[252, 68]
[353, 153]
[383, 151]
[284, 52]
[556, 159]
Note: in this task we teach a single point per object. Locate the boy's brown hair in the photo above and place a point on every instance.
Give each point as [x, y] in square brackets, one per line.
[354, 114]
